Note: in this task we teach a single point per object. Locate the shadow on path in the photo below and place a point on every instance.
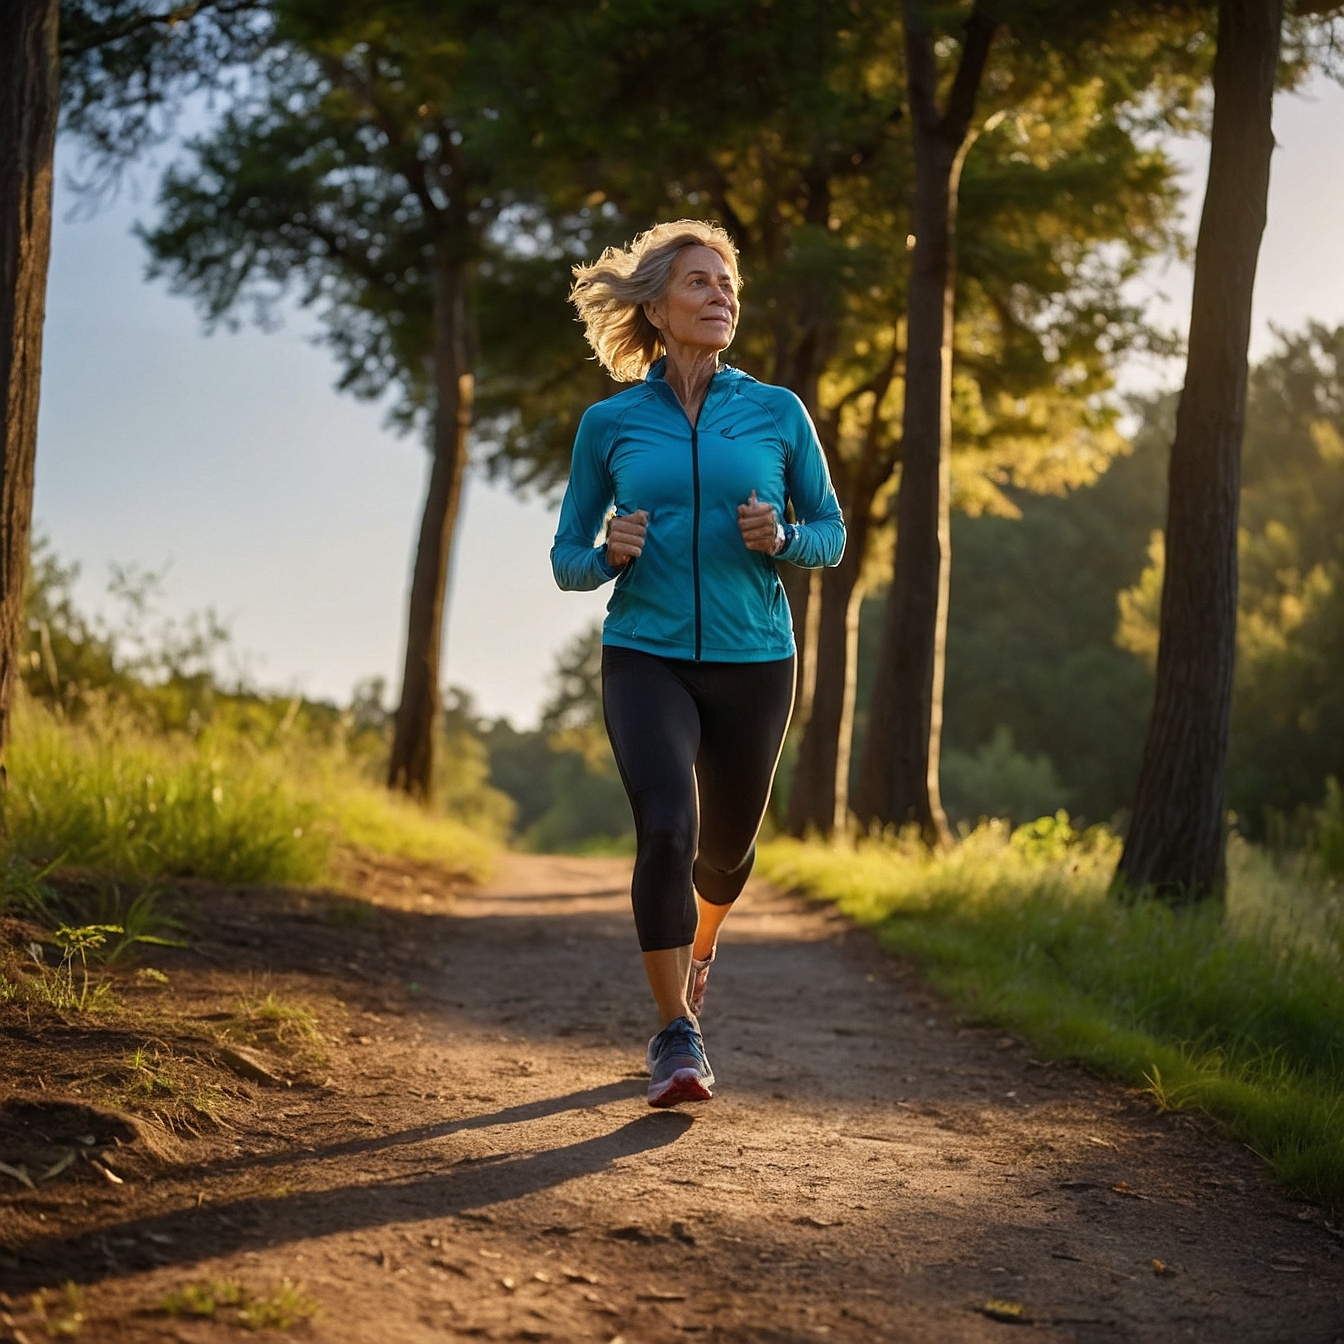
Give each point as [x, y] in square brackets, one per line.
[473, 1184]
[589, 1098]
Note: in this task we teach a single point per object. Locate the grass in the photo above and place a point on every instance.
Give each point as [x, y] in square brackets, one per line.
[283, 1307]
[153, 1077]
[267, 1019]
[1238, 1015]
[109, 795]
[60, 1311]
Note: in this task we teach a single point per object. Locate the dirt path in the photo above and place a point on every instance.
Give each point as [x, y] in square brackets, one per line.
[481, 1162]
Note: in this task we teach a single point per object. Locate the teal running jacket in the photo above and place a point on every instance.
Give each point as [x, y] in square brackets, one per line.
[696, 591]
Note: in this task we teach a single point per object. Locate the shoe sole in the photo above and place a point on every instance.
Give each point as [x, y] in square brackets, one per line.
[684, 1085]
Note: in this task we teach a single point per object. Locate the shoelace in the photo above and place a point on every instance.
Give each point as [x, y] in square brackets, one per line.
[682, 1040]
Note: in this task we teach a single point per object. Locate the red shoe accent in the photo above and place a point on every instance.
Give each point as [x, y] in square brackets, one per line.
[684, 1085]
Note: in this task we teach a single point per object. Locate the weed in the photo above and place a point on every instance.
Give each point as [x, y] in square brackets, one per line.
[1236, 1012]
[60, 1311]
[269, 1019]
[78, 944]
[152, 1073]
[57, 986]
[285, 1306]
[203, 1299]
[22, 886]
[138, 920]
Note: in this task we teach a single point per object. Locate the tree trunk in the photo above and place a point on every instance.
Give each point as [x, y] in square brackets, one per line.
[412, 764]
[899, 779]
[29, 104]
[1176, 846]
[802, 588]
[819, 799]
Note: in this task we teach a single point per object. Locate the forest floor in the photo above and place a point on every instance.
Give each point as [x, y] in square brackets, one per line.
[467, 1153]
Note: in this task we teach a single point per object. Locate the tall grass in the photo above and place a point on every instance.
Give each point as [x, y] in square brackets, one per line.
[108, 794]
[1238, 1014]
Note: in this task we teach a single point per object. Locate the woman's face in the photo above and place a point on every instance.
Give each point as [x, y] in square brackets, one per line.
[699, 309]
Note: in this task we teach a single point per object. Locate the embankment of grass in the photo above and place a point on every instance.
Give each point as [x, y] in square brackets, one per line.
[107, 795]
[1238, 1015]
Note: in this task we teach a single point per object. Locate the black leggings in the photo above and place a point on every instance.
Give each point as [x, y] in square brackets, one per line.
[696, 745]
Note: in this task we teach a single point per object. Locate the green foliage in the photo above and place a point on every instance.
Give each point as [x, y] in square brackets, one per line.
[997, 780]
[1288, 702]
[152, 1074]
[127, 67]
[275, 1022]
[283, 1307]
[57, 986]
[106, 797]
[130, 757]
[1329, 844]
[22, 888]
[60, 1311]
[563, 775]
[373, 136]
[1239, 1016]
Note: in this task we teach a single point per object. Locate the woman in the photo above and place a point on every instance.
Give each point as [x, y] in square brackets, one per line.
[699, 461]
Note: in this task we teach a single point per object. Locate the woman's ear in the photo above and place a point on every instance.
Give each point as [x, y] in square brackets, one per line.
[654, 316]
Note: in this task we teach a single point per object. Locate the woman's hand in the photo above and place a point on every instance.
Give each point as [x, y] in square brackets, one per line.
[759, 527]
[625, 538]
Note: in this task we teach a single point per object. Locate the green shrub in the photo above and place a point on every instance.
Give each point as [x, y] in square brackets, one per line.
[1330, 830]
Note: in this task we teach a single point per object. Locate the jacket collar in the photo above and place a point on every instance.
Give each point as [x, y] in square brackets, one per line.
[725, 377]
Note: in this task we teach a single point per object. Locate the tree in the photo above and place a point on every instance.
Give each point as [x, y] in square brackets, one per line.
[805, 162]
[899, 781]
[1175, 847]
[1287, 719]
[29, 107]
[368, 172]
[1070, 81]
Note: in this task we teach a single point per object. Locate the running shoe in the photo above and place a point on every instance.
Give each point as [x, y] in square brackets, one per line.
[695, 989]
[680, 1071]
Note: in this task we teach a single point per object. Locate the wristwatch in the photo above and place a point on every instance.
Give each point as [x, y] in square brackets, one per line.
[784, 535]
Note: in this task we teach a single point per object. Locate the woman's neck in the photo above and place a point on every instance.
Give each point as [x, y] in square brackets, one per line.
[688, 372]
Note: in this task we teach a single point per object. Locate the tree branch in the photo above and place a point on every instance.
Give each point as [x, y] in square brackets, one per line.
[976, 42]
[106, 36]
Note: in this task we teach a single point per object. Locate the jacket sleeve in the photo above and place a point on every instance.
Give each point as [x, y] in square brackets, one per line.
[577, 564]
[817, 539]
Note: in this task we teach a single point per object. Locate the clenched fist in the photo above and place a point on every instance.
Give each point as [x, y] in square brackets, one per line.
[625, 538]
[760, 527]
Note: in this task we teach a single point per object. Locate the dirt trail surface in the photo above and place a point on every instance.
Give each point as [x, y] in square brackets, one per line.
[474, 1159]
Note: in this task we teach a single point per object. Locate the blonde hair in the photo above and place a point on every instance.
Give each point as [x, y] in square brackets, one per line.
[611, 292]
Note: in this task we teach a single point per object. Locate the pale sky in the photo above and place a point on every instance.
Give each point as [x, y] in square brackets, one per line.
[288, 507]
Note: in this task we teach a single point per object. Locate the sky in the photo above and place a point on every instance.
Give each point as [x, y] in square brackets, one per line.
[230, 463]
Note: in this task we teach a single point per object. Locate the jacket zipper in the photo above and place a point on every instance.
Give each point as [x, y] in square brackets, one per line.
[695, 531]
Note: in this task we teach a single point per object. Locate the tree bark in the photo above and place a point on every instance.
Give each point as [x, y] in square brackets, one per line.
[819, 799]
[412, 765]
[802, 588]
[29, 106]
[1176, 846]
[899, 778]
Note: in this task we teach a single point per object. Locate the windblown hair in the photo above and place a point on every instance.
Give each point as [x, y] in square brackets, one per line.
[610, 294]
